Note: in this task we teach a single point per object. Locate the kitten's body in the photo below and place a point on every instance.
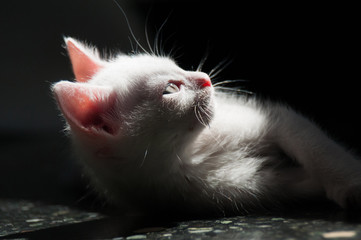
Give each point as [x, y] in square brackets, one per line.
[152, 136]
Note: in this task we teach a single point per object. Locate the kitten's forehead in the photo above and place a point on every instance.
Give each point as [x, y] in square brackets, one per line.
[126, 70]
[148, 64]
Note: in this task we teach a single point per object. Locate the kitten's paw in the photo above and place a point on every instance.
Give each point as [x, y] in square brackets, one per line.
[352, 198]
[349, 197]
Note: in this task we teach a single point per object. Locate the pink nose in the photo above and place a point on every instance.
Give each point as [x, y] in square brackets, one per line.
[202, 80]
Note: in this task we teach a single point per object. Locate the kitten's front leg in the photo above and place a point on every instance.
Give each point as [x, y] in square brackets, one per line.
[337, 170]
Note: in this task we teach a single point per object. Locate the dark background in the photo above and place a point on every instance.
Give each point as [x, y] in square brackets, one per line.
[306, 55]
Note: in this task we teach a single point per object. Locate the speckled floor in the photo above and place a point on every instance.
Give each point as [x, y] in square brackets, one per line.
[34, 220]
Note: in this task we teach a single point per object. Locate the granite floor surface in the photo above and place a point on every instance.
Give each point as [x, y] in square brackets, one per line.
[21, 219]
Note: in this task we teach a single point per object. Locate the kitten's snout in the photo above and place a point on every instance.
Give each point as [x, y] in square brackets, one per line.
[201, 79]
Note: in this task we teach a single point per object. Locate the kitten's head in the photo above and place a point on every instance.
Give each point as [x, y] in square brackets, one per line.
[123, 109]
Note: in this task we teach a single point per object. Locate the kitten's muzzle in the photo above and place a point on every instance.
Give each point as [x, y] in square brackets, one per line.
[201, 79]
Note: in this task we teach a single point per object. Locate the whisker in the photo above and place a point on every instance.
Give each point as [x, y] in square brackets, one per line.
[157, 45]
[198, 116]
[146, 32]
[145, 156]
[209, 117]
[131, 45]
[179, 159]
[90, 192]
[228, 81]
[216, 67]
[200, 110]
[174, 52]
[203, 111]
[219, 67]
[165, 42]
[203, 122]
[129, 27]
[234, 90]
[203, 60]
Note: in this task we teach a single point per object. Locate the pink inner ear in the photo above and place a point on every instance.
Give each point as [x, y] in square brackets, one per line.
[88, 108]
[84, 66]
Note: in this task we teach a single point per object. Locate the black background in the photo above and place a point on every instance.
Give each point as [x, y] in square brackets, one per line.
[303, 54]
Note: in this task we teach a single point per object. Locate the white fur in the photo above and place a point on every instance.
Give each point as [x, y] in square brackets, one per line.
[229, 153]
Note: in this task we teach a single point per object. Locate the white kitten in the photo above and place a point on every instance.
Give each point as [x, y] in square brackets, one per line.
[152, 136]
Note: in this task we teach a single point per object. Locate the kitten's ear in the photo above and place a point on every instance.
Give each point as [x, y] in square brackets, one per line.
[87, 108]
[85, 61]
